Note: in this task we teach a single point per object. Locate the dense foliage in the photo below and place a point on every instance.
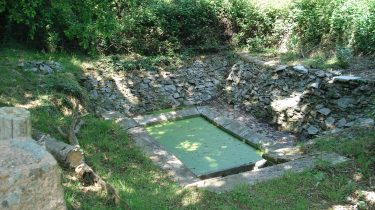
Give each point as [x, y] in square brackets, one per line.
[165, 26]
[346, 24]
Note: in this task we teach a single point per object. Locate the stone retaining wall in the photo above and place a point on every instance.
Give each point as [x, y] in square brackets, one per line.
[142, 91]
[305, 101]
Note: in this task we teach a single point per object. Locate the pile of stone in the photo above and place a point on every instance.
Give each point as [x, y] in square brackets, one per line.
[42, 67]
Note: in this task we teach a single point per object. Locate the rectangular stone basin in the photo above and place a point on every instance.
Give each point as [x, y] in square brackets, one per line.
[204, 148]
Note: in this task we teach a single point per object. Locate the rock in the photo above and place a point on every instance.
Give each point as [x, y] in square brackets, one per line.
[216, 82]
[33, 69]
[15, 123]
[280, 68]
[341, 123]
[312, 130]
[345, 102]
[319, 106]
[56, 65]
[209, 84]
[350, 124]
[45, 69]
[346, 78]
[170, 88]
[283, 104]
[176, 95]
[94, 94]
[320, 73]
[324, 111]
[301, 69]
[144, 86]
[329, 122]
[315, 84]
[364, 122]
[296, 97]
[304, 108]
[206, 97]
[29, 177]
[146, 80]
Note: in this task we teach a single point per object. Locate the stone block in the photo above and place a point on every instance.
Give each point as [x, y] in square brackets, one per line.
[14, 123]
[29, 177]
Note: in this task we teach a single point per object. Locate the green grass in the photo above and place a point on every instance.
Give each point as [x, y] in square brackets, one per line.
[143, 185]
[355, 143]
[44, 95]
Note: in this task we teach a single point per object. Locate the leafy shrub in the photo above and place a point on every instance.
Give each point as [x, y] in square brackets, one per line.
[153, 27]
[146, 27]
[74, 24]
[344, 55]
[347, 23]
[365, 30]
[311, 19]
[162, 27]
[253, 26]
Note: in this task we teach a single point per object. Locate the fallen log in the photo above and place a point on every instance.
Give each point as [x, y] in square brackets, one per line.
[72, 157]
[67, 155]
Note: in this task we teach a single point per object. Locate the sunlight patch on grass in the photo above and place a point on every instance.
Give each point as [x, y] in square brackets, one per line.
[40, 101]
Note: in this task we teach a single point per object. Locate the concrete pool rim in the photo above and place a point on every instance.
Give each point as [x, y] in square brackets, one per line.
[287, 157]
[237, 155]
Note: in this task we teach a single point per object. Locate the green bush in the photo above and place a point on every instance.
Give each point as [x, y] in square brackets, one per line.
[311, 20]
[161, 27]
[146, 27]
[154, 27]
[61, 24]
[347, 23]
[344, 56]
[252, 26]
[365, 31]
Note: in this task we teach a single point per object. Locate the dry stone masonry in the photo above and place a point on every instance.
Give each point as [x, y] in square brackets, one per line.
[306, 101]
[141, 91]
[296, 98]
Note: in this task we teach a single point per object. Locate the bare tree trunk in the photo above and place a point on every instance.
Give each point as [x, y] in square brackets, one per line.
[67, 155]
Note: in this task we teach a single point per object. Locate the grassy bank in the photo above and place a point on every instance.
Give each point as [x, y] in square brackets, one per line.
[143, 185]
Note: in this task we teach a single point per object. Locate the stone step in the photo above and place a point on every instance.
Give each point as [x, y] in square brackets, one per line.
[228, 183]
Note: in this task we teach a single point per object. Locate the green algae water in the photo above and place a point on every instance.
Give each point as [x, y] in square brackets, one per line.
[201, 146]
